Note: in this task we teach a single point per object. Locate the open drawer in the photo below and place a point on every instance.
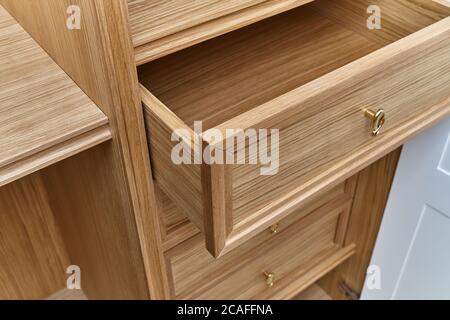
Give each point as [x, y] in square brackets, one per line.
[341, 95]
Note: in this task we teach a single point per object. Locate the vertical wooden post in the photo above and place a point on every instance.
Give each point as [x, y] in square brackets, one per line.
[104, 198]
[371, 194]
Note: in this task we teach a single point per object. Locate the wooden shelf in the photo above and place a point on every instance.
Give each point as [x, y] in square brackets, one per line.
[162, 27]
[44, 116]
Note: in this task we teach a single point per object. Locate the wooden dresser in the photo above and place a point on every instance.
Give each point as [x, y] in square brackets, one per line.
[90, 118]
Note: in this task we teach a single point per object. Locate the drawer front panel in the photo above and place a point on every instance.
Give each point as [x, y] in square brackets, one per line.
[288, 254]
[406, 87]
[324, 133]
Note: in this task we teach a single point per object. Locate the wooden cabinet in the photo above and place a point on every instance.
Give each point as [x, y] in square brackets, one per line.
[333, 97]
[338, 98]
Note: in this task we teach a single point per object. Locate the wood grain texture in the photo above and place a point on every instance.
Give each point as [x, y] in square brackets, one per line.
[443, 2]
[54, 154]
[177, 228]
[318, 147]
[399, 18]
[162, 27]
[217, 206]
[99, 58]
[33, 258]
[225, 77]
[314, 293]
[372, 191]
[182, 183]
[44, 116]
[299, 246]
[78, 295]
[299, 73]
[175, 75]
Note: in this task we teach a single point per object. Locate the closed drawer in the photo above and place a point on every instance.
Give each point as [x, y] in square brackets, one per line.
[176, 227]
[311, 73]
[269, 266]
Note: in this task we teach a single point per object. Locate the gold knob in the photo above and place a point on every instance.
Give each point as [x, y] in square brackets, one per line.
[270, 278]
[377, 120]
[274, 228]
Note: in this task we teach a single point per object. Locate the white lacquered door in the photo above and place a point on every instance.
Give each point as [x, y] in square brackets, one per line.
[412, 253]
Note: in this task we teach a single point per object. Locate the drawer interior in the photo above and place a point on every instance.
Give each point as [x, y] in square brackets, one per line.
[222, 78]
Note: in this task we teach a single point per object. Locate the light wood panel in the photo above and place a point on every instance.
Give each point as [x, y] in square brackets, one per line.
[150, 19]
[314, 292]
[177, 227]
[44, 116]
[162, 27]
[79, 295]
[399, 18]
[225, 92]
[33, 259]
[225, 77]
[372, 191]
[302, 248]
[187, 192]
[443, 2]
[304, 83]
[316, 147]
[110, 188]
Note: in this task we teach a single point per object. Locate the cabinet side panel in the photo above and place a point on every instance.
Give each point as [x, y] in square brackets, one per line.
[372, 190]
[111, 185]
[33, 259]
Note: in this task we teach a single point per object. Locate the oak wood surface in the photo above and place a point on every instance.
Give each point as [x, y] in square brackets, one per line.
[315, 292]
[44, 116]
[161, 124]
[128, 207]
[399, 18]
[372, 191]
[150, 20]
[79, 295]
[295, 249]
[225, 77]
[443, 2]
[256, 78]
[329, 142]
[105, 192]
[162, 27]
[177, 228]
[33, 258]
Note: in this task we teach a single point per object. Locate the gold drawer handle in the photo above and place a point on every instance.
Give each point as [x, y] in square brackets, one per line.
[274, 228]
[377, 120]
[270, 278]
